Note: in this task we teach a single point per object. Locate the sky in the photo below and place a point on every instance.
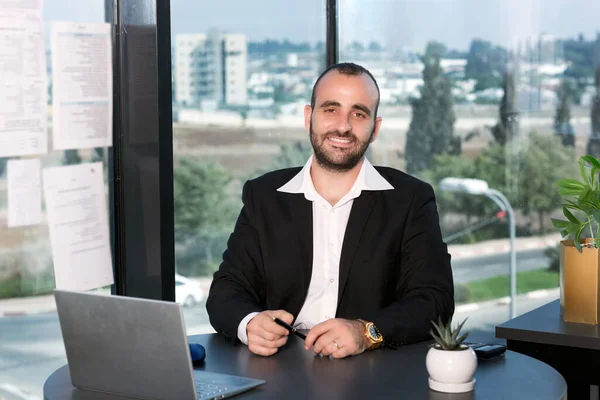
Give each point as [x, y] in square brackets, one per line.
[394, 23]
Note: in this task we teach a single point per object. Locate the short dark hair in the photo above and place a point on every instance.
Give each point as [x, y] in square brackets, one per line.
[349, 69]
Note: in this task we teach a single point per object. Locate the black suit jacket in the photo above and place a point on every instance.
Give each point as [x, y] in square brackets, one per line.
[394, 267]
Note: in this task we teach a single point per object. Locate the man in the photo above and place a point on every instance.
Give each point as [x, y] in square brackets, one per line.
[352, 252]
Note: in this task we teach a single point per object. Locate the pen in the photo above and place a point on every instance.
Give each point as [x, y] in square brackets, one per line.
[289, 328]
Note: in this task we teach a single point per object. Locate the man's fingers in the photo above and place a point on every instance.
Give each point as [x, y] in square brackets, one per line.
[266, 335]
[317, 331]
[264, 322]
[270, 325]
[342, 352]
[261, 351]
[324, 344]
[259, 341]
[331, 348]
[283, 315]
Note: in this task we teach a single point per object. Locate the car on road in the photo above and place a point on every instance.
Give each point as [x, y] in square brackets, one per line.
[187, 292]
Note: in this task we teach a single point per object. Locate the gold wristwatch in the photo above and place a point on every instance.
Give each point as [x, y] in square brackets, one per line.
[372, 334]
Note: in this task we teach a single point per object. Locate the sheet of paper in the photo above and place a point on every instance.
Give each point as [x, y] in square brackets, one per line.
[33, 5]
[24, 192]
[23, 82]
[81, 85]
[78, 221]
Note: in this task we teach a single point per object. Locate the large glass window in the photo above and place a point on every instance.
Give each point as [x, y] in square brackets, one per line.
[496, 91]
[242, 73]
[31, 345]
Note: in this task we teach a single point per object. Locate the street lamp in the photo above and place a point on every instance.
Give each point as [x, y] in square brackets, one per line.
[480, 187]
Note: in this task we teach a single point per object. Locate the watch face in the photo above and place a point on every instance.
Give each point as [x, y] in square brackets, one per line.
[374, 332]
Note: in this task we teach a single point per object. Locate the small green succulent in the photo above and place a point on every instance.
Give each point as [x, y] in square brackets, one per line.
[446, 338]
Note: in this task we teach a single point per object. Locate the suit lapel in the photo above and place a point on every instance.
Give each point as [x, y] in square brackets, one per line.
[359, 215]
[302, 221]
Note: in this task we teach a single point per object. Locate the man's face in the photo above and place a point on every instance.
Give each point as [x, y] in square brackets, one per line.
[342, 124]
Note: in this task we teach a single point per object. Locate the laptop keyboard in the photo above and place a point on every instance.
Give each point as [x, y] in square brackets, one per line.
[210, 389]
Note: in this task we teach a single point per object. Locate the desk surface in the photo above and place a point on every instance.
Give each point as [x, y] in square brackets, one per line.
[545, 325]
[298, 374]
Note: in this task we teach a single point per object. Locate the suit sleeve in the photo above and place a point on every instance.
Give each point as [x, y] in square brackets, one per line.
[237, 288]
[424, 287]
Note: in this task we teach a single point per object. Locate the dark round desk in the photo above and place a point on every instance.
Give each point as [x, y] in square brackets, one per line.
[294, 373]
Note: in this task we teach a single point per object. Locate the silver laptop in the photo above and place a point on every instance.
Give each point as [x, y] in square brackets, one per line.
[136, 348]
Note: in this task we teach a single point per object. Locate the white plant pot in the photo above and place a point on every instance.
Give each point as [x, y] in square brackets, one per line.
[451, 370]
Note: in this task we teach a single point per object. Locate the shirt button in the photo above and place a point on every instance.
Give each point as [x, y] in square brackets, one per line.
[331, 280]
[330, 244]
[332, 210]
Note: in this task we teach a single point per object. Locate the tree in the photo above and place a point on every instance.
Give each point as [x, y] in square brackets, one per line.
[375, 47]
[356, 47]
[544, 162]
[593, 146]
[431, 130]
[508, 125]
[580, 55]
[204, 213]
[562, 118]
[294, 154]
[489, 166]
[447, 165]
[486, 64]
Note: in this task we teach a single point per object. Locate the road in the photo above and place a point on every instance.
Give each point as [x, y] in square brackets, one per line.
[475, 268]
[483, 319]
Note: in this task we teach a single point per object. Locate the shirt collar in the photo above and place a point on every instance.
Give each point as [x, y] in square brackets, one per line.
[368, 179]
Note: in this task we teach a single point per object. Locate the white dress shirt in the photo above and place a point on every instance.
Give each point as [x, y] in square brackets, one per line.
[329, 227]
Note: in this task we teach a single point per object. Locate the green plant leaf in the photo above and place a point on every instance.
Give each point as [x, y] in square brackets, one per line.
[578, 237]
[593, 161]
[571, 203]
[437, 338]
[438, 328]
[574, 207]
[595, 164]
[588, 201]
[569, 183]
[564, 233]
[559, 223]
[595, 216]
[586, 206]
[570, 216]
[583, 170]
[457, 330]
[461, 339]
[569, 192]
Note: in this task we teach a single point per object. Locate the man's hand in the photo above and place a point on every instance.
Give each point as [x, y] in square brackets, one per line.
[264, 335]
[338, 338]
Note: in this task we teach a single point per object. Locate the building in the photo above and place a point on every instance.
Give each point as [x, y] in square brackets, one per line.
[210, 68]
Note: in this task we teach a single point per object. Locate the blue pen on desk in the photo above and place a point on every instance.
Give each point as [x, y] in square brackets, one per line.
[289, 328]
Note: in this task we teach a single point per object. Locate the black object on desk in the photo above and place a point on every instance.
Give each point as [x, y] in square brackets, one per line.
[295, 373]
[289, 328]
[487, 351]
[572, 349]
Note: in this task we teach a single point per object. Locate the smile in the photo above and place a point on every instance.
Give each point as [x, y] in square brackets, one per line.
[339, 140]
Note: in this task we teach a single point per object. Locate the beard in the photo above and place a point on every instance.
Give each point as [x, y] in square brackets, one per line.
[341, 160]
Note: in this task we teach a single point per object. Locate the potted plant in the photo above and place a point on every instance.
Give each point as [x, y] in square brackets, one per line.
[450, 363]
[579, 290]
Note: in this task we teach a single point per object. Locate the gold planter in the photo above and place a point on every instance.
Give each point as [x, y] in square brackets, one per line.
[579, 283]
